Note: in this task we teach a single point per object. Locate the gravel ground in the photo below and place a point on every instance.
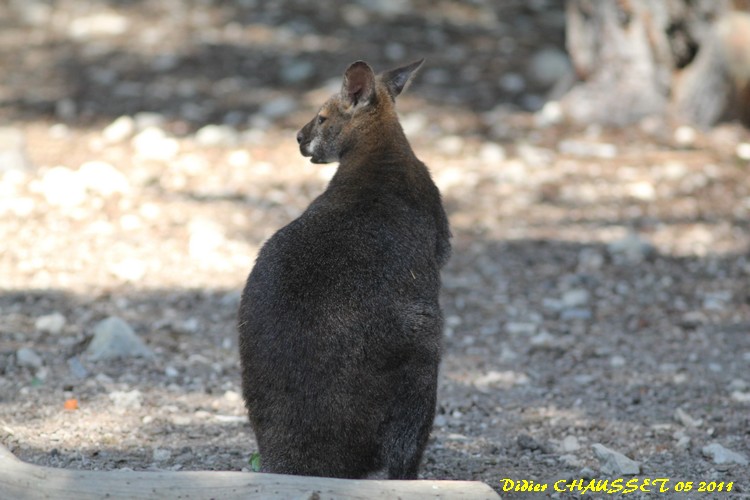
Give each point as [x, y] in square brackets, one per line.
[598, 292]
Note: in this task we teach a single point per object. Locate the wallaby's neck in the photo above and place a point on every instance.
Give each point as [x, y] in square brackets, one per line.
[384, 146]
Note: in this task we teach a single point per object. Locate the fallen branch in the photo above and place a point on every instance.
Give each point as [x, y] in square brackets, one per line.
[19, 480]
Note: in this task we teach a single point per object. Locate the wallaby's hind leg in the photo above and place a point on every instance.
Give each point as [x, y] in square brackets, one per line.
[409, 430]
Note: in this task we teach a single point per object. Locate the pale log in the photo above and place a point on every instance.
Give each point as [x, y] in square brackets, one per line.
[20, 480]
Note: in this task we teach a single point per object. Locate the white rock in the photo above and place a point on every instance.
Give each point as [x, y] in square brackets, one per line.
[114, 338]
[216, 135]
[740, 397]
[491, 152]
[206, 237]
[154, 144]
[685, 135]
[682, 417]
[507, 379]
[61, 187]
[743, 151]
[50, 323]
[722, 455]
[102, 178]
[617, 361]
[570, 444]
[98, 25]
[643, 190]
[550, 114]
[521, 328]
[615, 463]
[130, 269]
[28, 358]
[119, 130]
[575, 298]
[587, 148]
[126, 400]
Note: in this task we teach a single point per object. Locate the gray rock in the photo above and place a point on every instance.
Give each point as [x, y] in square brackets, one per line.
[615, 463]
[26, 356]
[276, 108]
[297, 71]
[570, 444]
[722, 455]
[50, 323]
[77, 369]
[126, 400]
[632, 249]
[682, 417]
[576, 313]
[216, 135]
[114, 338]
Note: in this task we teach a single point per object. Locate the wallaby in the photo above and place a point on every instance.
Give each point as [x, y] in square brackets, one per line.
[339, 324]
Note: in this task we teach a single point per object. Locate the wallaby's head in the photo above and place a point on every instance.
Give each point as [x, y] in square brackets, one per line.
[362, 113]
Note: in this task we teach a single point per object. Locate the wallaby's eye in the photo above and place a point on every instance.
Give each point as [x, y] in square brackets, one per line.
[321, 119]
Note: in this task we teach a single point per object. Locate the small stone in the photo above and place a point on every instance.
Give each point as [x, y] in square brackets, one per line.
[512, 83]
[521, 328]
[440, 421]
[590, 259]
[297, 71]
[743, 151]
[569, 460]
[27, 357]
[102, 178]
[722, 455]
[216, 135]
[550, 114]
[576, 314]
[570, 444]
[526, 442]
[61, 187]
[632, 249]
[740, 397]
[617, 361]
[575, 298]
[682, 417]
[161, 455]
[50, 323]
[119, 130]
[97, 25]
[77, 369]
[114, 338]
[154, 144]
[171, 371]
[126, 400]
[587, 149]
[131, 269]
[492, 153]
[615, 463]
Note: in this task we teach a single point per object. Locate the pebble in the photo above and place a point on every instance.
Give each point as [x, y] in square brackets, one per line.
[686, 420]
[575, 298]
[740, 396]
[77, 369]
[216, 135]
[550, 114]
[126, 400]
[570, 444]
[114, 338]
[632, 249]
[50, 323]
[26, 356]
[297, 71]
[721, 455]
[97, 25]
[743, 151]
[161, 454]
[119, 130]
[521, 328]
[512, 83]
[491, 152]
[587, 149]
[526, 442]
[102, 178]
[153, 144]
[617, 361]
[60, 186]
[569, 460]
[615, 463]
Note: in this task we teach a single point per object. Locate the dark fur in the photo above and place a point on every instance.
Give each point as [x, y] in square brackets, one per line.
[340, 326]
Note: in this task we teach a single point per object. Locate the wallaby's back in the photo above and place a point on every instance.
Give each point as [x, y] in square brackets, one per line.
[340, 326]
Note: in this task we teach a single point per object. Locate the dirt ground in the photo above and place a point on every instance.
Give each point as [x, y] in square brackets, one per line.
[599, 289]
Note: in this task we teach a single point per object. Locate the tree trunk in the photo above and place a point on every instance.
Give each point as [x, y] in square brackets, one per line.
[687, 59]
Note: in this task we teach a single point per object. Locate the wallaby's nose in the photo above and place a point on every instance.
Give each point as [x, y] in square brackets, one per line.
[300, 137]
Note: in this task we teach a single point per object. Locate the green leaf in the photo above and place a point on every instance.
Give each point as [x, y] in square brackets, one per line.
[255, 462]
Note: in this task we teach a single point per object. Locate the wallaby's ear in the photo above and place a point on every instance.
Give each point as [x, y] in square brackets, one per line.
[359, 84]
[397, 79]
